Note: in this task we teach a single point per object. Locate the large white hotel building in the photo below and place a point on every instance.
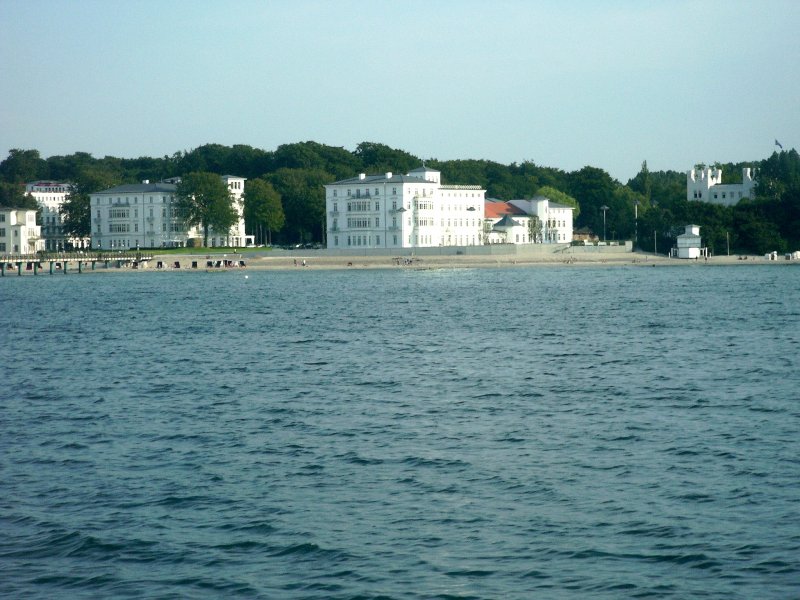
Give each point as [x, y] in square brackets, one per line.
[403, 211]
[145, 215]
[51, 195]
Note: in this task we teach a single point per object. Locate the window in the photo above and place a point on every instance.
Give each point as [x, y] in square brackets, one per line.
[377, 192]
[358, 223]
[335, 193]
[3, 232]
[2, 246]
[377, 239]
[335, 207]
[377, 206]
[2, 218]
[358, 206]
[377, 221]
[336, 240]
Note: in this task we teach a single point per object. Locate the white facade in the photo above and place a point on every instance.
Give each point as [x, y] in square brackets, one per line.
[50, 196]
[535, 221]
[402, 211]
[556, 219]
[145, 215]
[688, 244]
[508, 229]
[707, 186]
[19, 233]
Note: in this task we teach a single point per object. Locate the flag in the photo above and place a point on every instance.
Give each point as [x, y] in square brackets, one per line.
[778, 144]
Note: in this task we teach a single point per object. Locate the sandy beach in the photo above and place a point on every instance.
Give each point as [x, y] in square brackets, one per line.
[319, 260]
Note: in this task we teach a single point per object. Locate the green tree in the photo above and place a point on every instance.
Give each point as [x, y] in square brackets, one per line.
[379, 158]
[560, 197]
[204, 200]
[76, 210]
[263, 208]
[642, 183]
[534, 229]
[592, 188]
[303, 201]
[23, 166]
[12, 195]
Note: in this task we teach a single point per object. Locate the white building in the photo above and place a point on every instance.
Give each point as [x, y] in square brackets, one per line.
[403, 211]
[145, 215]
[689, 244]
[706, 186]
[50, 196]
[556, 219]
[19, 233]
[535, 221]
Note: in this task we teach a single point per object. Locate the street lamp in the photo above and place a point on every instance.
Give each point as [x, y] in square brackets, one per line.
[604, 208]
[636, 224]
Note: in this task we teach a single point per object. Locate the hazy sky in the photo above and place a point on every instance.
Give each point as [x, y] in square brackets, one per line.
[562, 83]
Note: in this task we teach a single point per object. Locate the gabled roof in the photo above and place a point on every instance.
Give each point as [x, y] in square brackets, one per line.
[506, 223]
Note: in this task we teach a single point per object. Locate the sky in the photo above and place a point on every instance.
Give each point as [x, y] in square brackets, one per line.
[565, 84]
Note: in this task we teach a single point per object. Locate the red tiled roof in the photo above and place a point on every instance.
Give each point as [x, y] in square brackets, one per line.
[497, 210]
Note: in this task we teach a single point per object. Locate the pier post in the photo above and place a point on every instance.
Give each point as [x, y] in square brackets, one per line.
[3, 269]
[65, 267]
[19, 269]
[80, 266]
[94, 262]
[51, 267]
[35, 268]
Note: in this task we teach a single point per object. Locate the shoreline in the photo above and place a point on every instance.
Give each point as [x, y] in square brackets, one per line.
[322, 262]
[316, 262]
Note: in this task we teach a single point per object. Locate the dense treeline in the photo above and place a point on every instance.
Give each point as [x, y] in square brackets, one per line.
[287, 201]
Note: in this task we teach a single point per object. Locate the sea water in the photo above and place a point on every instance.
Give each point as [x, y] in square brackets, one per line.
[554, 432]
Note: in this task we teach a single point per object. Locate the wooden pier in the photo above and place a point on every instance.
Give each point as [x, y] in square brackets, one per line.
[66, 262]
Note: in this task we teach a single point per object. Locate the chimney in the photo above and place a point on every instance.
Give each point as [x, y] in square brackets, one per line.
[388, 174]
[362, 175]
[145, 181]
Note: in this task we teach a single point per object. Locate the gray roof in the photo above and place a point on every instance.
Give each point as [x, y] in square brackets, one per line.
[506, 222]
[370, 179]
[140, 188]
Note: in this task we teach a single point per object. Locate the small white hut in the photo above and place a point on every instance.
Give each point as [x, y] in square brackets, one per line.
[689, 243]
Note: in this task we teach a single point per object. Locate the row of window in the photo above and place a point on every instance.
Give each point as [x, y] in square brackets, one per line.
[360, 222]
[366, 193]
[164, 200]
[425, 193]
[51, 189]
[366, 222]
[124, 213]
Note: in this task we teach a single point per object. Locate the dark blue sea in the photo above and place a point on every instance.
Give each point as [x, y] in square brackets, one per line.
[551, 432]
